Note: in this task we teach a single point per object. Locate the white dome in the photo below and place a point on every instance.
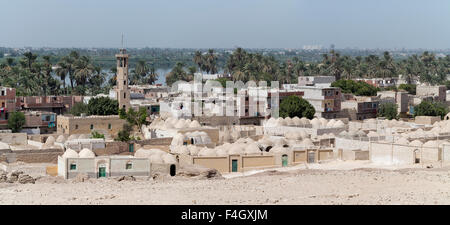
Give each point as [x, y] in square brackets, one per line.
[169, 159]
[252, 149]
[372, 134]
[305, 121]
[156, 158]
[281, 122]
[289, 121]
[207, 152]
[61, 139]
[416, 143]
[297, 121]
[236, 149]
[86, 153]
[323, 122]
[402, 141]
[241, 140]
[70, 153]
[180, 124]
[221, 152]
[178, 139]
[431, 144]
[73, 137]
[278, 149]
[265, 141]
[331, 123]
[146, 153]
[83, 136]
[307, 142]
[290, 135]
[272, 122]
[50, 141]
[193, 150]
[343, 133]
[315, 123]
[280, 142]
[338, 124]
[194, 124]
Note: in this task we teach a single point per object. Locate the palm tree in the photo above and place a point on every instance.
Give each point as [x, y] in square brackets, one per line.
[83, 70]
[198, 59]
[62, 70]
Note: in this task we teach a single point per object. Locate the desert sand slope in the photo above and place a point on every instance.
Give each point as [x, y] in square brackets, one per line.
[301, 186]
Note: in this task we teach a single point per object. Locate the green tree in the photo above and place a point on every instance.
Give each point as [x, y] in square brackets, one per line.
[79, 108]
[429, 108]
[387, 110]
[294, 106]
[137, 118]
[410, 88]
[358, 88]
[103, 106]
[124, 134]
[16, 121]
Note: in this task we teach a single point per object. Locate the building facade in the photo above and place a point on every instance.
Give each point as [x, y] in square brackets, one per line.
[87, 124]
[122, 90]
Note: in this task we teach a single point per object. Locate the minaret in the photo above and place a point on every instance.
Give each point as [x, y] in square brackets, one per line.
[123, 93]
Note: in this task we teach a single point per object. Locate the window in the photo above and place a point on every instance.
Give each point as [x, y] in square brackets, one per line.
[92, 126]
[76, 126]
[124, 95]
[73, 166]
[109, 126]
[124, 82]
[129, 166]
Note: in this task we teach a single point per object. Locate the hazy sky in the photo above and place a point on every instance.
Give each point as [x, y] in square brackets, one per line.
[226, 23]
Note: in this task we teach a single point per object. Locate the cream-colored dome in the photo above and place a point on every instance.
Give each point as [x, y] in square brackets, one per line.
[307, 142]
[338, 124]
[70, 153]
[178, 139]
[72, 137]
[86, 153]
[305, 121]
[416, 143]
[431, 144]
[402, 141]
[323, 122]
[146, 153]
[193, 150]
[83, 136]
[372, 134]
[61, 139]
[289, 121]
[236, 149]
[281, 122]
[156, 158]
[169, 159]
[252, 149]
[194, 124]
[279, 150]
[50, 141]
[272, 122]
[316, 123]
[207, 152]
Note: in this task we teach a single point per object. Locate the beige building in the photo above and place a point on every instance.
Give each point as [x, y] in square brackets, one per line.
[87, 124]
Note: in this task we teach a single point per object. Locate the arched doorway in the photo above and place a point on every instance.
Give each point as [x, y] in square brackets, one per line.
[173, 170]
[284, 160]
[416, 156]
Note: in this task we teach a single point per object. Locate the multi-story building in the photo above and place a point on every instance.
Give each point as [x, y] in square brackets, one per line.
[360, 108]
[150, 91]
[8, 103]
[56, 104]
[325, 100]
[437, 93]
[39, 122]
[380, 82]
[316, 80]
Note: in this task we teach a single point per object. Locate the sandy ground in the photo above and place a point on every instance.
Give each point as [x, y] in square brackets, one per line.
[330, 183]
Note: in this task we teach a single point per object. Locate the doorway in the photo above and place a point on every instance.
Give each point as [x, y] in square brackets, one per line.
[234, 165]
[311, 157]
[416, 156]
[284, 160]
[131, 147]
[102, 171]
[172, 170]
